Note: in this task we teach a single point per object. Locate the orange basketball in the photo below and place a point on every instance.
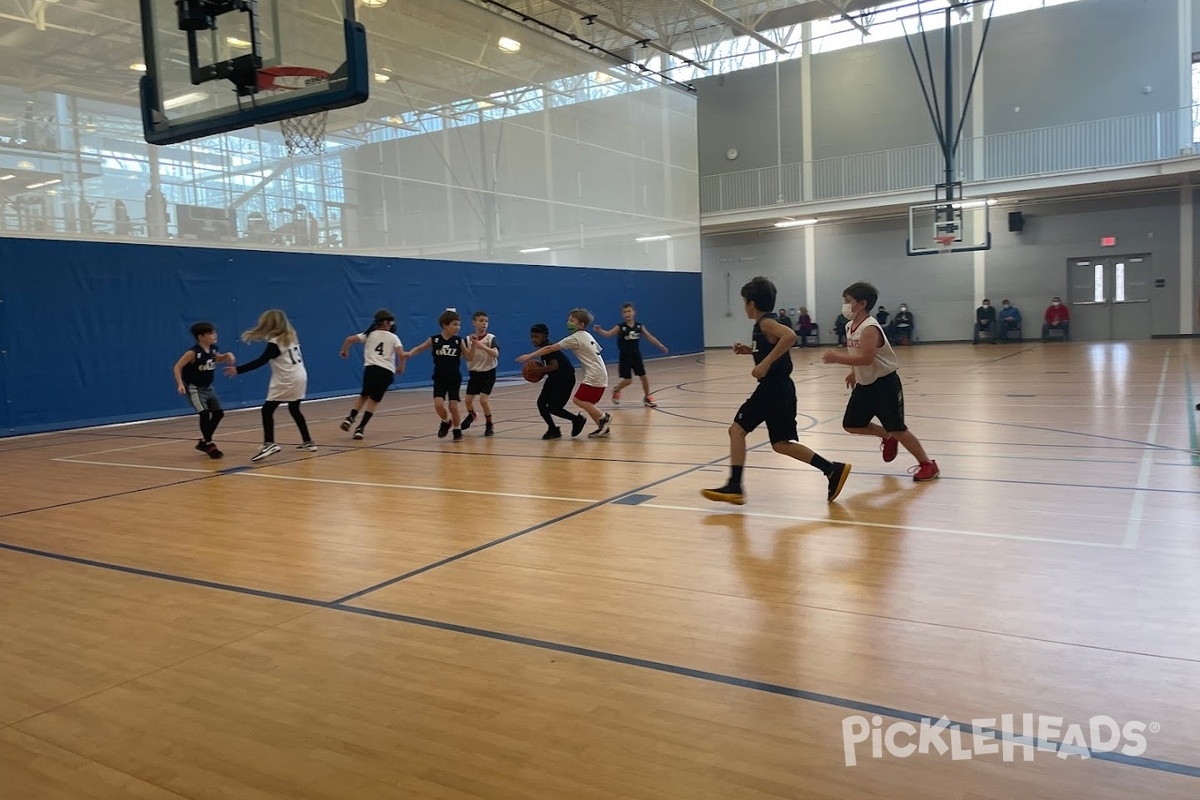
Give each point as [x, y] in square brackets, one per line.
[530, 371]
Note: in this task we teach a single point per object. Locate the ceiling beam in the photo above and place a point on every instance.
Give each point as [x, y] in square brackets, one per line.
[637, 38]
[735, 24]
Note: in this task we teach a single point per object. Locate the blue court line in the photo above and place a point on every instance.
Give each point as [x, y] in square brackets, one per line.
[1158, 765]
[633, 500]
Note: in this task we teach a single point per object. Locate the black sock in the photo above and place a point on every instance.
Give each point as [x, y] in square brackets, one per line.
[735, 476]
[353, 414]
[821, 464]
[488, 418]
[366, 418]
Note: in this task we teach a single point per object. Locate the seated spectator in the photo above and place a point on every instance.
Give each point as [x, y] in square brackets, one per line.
[882, 316]
[985, 321]
[1010, 320]
[784, 319]
[839, 329]
[805, 326]
[903, 327]
[1057, 318]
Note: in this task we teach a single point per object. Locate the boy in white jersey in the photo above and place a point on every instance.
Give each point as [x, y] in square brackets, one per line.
[381, 348]
[876, 382]
[481, 372]
[595, 374]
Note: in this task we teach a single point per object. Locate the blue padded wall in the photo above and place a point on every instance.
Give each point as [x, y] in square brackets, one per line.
[89, 331]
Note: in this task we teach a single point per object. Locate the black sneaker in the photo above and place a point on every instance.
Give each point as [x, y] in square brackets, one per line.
[553, 433]
[358, 434]
[837, 479]
[726, 494]
[443, 429]
[490, 430]
[578, 424]
[202, 445]
[213, 451]
[457, 435]
[467, 422]
[346, 423]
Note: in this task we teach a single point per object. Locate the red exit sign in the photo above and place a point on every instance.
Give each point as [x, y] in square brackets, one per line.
[1108, 241]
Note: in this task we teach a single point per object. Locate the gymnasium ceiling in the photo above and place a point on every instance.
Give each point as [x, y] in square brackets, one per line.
[84, 48]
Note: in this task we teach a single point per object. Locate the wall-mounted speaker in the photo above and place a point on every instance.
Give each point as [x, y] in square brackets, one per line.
[1016, 221]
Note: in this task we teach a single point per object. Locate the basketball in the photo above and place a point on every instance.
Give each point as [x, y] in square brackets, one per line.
[530, 371]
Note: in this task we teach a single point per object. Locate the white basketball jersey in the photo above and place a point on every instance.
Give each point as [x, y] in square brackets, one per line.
[289, 378]
[480, 361]
[885, 361]
[587, 350]
[379, 349]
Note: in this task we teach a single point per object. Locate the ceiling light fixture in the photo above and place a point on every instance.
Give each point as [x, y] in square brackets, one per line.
[508, 45]
[535, 250]
[659, 238]
[374, 3]
[795, 223]
[381, 78]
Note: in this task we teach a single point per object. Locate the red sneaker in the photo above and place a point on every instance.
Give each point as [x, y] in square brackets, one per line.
[925, 472]
[890, 447]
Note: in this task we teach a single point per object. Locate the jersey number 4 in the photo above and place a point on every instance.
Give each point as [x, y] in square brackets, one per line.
[379, 349]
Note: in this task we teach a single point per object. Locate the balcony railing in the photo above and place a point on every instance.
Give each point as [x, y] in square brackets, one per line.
[1115, 142]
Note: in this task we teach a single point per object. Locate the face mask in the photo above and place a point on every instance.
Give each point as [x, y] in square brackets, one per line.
[904, 308]
[985, 305]
[847, 312]
[572, 327]
[1054, 303]
[1006, 305]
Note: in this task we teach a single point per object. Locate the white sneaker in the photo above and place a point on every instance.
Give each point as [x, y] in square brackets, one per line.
[309, 446]
[268, 449]
[603, 430]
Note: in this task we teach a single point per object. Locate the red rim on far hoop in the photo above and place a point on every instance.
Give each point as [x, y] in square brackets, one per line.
[303, 135]
[945, 241]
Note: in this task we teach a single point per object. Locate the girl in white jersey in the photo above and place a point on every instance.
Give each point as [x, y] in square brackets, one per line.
[595, 374]
[289, 378]
[381, 349]
[876, 382]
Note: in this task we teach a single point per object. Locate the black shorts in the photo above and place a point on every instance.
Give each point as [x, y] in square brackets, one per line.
[883, 399]
[630, 364]
[556, 395]
[481, 382]
[376, 381]
[775, 404]
[447, 386]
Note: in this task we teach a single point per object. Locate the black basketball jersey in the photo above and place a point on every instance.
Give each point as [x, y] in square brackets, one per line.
[199, 371]
[565, 374]
[629, 339]
[447, 354]
[781, 367]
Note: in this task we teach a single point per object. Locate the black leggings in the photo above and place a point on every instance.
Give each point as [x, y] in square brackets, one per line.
[555, 405]
[209, 420]
[268, 416]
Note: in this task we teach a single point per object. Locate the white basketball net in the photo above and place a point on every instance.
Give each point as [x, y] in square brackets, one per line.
[305, 136]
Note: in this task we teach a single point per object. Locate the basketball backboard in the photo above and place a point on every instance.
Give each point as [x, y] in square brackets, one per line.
[960, 226]
[218, 65]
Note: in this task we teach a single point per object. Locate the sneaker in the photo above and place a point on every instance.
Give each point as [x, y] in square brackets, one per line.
[648, 402]
[578, 425]
[443, 429]
[726, 494]
[837, 479]
[213, 451]
[602, 430]
[359, 434]
[925, 472]
[890, 447]
[457, 435]
[553, 433]
[466, 423]
[346, 423]
[268, 449]
[202, 445]
[309, 446]
[617, 397]
[490, 430]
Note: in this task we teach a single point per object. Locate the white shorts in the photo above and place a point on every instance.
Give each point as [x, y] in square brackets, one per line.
[287, 392]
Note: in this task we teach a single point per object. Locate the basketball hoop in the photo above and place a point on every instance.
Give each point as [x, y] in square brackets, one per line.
[303, 135]
[945, 241]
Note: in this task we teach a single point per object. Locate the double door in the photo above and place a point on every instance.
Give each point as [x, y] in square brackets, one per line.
[1109, 297]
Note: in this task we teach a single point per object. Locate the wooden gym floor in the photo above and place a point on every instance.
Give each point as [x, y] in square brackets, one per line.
[407, 617]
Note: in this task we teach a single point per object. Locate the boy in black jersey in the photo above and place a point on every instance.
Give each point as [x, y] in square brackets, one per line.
[556, 391]
[629, 350]
[773, 401]
[194, 377]
[448, 350]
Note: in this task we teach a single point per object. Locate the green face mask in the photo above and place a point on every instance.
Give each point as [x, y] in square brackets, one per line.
[572, 327]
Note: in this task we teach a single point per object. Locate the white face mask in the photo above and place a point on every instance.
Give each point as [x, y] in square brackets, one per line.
[904, 308]
[846, 311]
[1054, 303]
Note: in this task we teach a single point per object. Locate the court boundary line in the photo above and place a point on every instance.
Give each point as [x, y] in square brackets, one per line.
[1134, 527]
[1192, 411]
[1047, 745]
